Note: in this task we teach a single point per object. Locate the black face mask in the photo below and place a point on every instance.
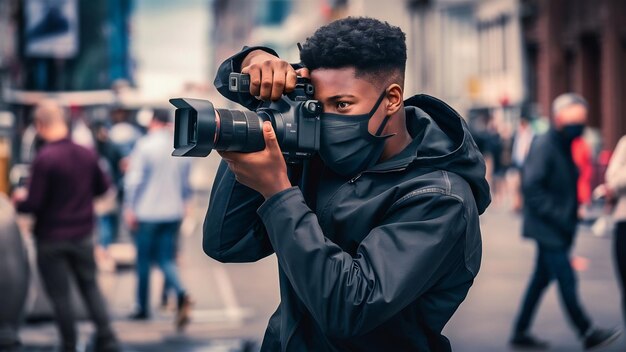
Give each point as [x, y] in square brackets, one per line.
[573, 131]
[346, 145]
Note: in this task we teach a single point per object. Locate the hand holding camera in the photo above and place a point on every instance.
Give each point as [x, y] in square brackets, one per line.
[270, 76]
[264, 171]
[295, 116]
[285, 128]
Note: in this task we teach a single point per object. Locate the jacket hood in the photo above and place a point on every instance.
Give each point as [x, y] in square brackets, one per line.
[441, 140]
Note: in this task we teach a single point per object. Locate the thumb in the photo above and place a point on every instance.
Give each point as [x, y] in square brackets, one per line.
[270, 137]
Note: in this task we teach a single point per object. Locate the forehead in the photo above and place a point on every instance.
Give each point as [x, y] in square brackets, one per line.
[330, 82]
[573, 113]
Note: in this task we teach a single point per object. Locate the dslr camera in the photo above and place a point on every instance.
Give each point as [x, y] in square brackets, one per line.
[295, 117]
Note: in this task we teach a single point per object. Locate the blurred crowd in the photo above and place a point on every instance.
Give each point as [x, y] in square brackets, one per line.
[89, 176]
[505, 145]
[555, 176]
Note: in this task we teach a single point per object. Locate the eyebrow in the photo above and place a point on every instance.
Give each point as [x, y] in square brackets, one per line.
[339, 96]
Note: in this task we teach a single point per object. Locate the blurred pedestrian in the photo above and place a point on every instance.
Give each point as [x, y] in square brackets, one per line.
[107, 206]
[79, 132]
[522, 139]
[616, 182]
[549, 183]
[123, 133]
[156, 192]
[65, 178]
[497, 149]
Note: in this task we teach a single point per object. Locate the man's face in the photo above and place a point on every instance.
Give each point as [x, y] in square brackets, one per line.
[572, 115]
[341, 92]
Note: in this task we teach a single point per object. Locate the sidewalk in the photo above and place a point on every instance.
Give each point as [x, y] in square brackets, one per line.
[484, 321]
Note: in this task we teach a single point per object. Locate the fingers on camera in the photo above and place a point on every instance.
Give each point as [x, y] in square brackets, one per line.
[267, 76]
[290, 81]
[278, 85]
[271, 79]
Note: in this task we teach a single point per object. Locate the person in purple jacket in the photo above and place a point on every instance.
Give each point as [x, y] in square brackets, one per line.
[65, 179]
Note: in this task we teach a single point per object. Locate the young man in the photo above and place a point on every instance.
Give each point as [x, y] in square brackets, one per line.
[65, 178]
[549, 185]
[156, 191]
[385, 244]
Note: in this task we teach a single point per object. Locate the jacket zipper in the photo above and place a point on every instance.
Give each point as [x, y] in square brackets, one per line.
[353, 180]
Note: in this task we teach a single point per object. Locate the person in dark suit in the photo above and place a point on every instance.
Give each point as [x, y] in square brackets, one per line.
[549, 179]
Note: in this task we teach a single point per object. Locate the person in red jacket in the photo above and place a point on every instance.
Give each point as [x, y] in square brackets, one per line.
[581, 152]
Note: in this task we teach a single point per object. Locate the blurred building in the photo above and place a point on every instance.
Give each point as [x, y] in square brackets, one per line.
[470, 54]
[73, 45]
[580, 46]
[7, 44]
[279, 24]
[481, 56]
[233, 21]
[467, 52]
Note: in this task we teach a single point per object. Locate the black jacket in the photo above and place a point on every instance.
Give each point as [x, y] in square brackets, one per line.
[549, 178]
[373, 263]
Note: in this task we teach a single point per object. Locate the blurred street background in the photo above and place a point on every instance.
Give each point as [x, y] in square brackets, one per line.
[500, 63]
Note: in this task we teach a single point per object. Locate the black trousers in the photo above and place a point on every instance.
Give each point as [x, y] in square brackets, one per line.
[620, 260]
[59, 260]
[552, 263]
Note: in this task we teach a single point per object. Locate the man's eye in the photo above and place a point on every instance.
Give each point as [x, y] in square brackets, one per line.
[342, 105]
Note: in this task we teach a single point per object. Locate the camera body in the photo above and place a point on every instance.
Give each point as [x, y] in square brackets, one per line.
[295, 117]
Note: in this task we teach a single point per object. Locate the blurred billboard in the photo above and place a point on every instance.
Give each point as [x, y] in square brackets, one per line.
[51, 28]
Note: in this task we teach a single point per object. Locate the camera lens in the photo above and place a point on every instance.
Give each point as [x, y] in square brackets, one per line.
[199, 127]
[239, 131]
[194, 119]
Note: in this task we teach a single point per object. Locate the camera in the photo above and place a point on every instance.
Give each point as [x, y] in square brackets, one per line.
[295, 117]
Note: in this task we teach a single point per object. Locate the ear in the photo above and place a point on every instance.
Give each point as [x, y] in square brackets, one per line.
[395, 99]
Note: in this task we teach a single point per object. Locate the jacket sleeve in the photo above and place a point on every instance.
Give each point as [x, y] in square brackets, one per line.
[396, 262]
[233, 232]
[233, 64]
[535, 175]
[616, 172]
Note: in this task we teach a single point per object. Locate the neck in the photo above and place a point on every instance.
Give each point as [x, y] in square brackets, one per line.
[56, 134]
[400, 140]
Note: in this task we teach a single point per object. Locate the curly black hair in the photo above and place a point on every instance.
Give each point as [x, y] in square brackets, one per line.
[377, 50]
